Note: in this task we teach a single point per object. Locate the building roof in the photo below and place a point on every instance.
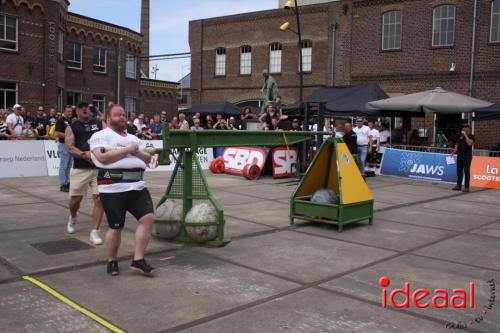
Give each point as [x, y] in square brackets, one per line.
[159, 83]
[185, 82]
[98, 24]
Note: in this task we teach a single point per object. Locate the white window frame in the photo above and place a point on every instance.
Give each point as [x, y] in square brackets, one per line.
[275, 53]
[306, 56]
[392, 23]
[437, 22]
[99, 64]
[220, 61]
[497, 28]
[99, 101]
[71, 62]
[4, 91]
[131, 71]
[130, 104]
[16, 41]
[246, 60]
[60, 45]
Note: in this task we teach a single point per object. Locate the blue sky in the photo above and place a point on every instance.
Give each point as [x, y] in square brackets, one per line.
[169, 22]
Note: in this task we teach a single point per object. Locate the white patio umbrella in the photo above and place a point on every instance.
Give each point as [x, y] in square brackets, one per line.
[437, 100]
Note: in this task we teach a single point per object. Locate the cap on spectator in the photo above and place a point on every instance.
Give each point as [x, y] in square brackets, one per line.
[16, 106]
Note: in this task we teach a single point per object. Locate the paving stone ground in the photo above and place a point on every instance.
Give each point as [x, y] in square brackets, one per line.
[272, 277]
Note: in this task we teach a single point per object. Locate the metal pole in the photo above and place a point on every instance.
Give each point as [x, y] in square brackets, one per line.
[472, 58]
[301, 72]
[334, 42]
[118, 74]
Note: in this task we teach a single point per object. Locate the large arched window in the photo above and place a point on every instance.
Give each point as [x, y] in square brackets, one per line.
[443, 27]
[245, 60]
[495, 21]
[391, 30]
[275, 58]
[220, 61]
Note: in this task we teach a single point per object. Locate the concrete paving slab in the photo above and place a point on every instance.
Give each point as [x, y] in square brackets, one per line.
[381, 233]
[396, 198]
[465, 207]
[381, 205]
[236, 227]
[271, 192]
[429, 191]
[468, 249]
[16, 248]
[492, 230]
[268, 212]
[26, 308]
[230, 199]
[185, 289]
[433, 218]
[5, 273]
[429, 274]
[319, 312]
[12, 198]
[33, 216]
[298, 256]
[489, 196]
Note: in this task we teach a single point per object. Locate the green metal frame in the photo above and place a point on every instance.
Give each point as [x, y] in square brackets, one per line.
[337, 214]
[188, 169]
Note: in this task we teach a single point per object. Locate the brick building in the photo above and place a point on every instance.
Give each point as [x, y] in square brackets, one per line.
[52, 57]
[403, 45]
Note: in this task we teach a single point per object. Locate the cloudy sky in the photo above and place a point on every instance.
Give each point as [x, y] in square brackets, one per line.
[169, 22]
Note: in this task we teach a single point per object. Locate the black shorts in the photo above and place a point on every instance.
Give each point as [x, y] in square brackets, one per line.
[116, 205]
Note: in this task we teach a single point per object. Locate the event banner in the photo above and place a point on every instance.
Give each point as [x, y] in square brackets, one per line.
[419, 165]
[236, 158]
[484, 172]
[41, 158]
[284, 161]
[22, 159]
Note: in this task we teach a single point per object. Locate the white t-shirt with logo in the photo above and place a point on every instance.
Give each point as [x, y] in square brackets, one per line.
[17, 123]
[362, 134]
[108, 138]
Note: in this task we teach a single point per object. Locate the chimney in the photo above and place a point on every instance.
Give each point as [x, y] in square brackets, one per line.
[145, 40]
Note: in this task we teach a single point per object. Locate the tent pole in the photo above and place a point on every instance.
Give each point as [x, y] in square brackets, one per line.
[434, 129]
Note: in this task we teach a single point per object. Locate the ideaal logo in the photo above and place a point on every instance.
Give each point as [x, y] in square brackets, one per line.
[461, 298]
[410, 162]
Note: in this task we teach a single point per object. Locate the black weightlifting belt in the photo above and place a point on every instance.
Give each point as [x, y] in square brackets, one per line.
[113, 176]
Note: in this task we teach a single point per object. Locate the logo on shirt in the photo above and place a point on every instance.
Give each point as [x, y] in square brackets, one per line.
[107, 175]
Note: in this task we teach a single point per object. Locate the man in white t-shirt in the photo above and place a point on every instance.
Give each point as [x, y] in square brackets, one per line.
[374, 146]
[122, 188]
[15, 123]
[363, 139]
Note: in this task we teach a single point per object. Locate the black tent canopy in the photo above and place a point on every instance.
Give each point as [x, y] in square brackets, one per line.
[343, 101]
[488, 113]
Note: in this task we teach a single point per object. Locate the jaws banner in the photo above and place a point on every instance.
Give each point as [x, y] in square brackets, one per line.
[418, 165]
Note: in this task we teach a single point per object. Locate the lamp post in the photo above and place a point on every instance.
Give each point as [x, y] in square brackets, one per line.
[293, 6]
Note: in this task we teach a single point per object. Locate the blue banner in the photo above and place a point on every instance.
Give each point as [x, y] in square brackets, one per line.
[419, 165]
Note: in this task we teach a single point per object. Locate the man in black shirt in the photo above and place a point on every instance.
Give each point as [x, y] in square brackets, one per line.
[84, 173]
[40, 124]
[65, 158]
[351, 140]
[463, 149]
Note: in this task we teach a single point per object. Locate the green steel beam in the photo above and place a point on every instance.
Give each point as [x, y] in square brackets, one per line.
[220, 138]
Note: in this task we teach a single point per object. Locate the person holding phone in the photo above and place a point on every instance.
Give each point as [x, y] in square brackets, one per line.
[463, 150]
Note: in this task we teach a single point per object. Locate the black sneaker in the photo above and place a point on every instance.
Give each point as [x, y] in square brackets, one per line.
[113, 269]
[141, 266]
[64, 188]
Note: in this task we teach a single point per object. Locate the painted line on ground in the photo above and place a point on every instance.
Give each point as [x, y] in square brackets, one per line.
[74, 305]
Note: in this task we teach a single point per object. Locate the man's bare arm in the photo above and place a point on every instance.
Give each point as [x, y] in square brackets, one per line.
[69, 140]
[111, 156]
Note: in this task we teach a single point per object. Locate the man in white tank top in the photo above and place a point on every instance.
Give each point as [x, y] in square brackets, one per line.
[122, 188]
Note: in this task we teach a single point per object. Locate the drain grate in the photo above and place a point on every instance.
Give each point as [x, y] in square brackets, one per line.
[61, 246]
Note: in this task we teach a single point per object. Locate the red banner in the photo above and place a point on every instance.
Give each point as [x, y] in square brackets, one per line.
[284, 161]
